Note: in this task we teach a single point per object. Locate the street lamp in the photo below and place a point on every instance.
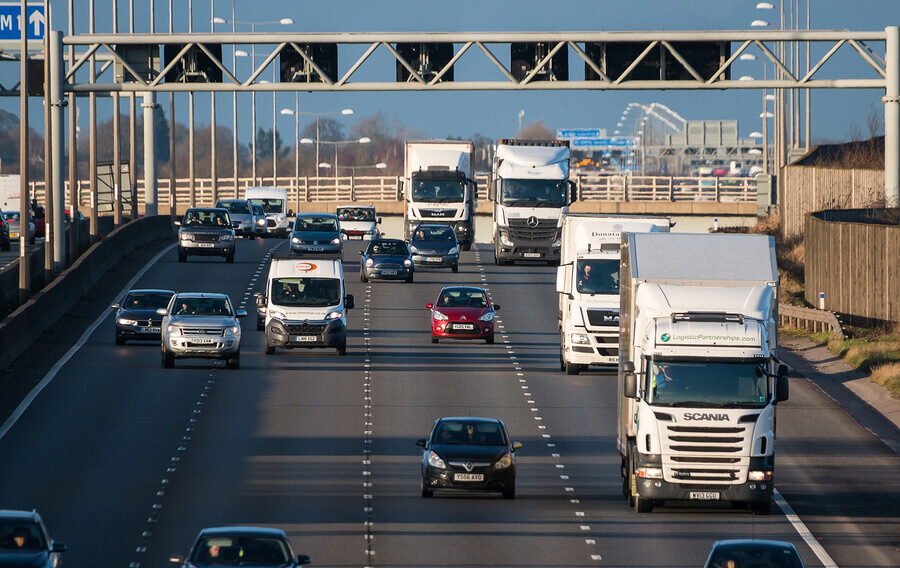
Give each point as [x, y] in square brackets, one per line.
[345, 112]
[336, 143]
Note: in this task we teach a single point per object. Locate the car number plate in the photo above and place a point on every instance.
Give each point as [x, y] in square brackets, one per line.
[468, 477]
[464, 326]
[433, 259]
[202, 340]
[305, 338]
[704, 495]
[149, 330]
[389, 272]
[13, 235]
[206, 245]
[317, 249]
[531, 254]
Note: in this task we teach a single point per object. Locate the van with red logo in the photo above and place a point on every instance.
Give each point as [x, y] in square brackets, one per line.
[305, 304]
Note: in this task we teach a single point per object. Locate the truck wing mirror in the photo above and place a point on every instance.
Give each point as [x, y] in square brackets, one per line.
[290, 213]
[573, 192]
[630, 384]
[492, 189]
[379, 221]
[474, 191]
[782, 387]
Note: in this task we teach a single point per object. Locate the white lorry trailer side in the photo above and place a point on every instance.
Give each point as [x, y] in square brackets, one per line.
[588, 285]
[529, 190]
[439, 187]
[698, 373]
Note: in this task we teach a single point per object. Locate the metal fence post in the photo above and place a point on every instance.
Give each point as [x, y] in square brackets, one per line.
[891, 102]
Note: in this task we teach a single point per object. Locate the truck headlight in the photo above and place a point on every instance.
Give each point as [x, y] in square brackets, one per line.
[407, 263]
[172, 329]
[581, 338]
[334, 315]
[505, 241]
[277, 315]
[369, 262]
[649, 472]
[486, 317]
[435, 460]
[126, 321]
[759, 476]
[503, 462]
[439, 316]
[336, 241]
[454, 250]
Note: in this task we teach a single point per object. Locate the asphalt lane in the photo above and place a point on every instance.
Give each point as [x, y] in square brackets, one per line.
[127, 461]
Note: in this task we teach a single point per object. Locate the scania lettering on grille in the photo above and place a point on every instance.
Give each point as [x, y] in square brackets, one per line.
[705, 416]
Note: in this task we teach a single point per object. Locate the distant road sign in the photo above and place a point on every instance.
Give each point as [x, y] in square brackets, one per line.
[10, 27]
[606, 142]
[571, 133]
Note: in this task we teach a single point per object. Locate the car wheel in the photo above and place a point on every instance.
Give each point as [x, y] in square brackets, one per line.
[426, 493]
[434, 339]
[490, 340]
[572, 368]
[120, 340]
[510, 493]
[409, 279]
[181, 256]
[467, 246]
[270, 349]
[234, 362]
[761, 508]
[260, 324]
[342, 350]
[168, 359]
[230, 258]
[6, 247]
[362, 276]
[455, 268]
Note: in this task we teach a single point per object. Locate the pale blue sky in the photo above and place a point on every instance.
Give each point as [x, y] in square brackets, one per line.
[495, 114]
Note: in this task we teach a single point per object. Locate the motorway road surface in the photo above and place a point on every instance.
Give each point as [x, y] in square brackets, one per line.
[127, 461]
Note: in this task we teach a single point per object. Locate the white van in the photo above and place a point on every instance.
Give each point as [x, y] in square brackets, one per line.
[306, 304]
[274, 201]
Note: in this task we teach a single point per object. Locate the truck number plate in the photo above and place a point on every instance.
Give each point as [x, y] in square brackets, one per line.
[704, 495]
[389, 272]
[206, 245]
[305, 338]
[531, 255]
[468, 477]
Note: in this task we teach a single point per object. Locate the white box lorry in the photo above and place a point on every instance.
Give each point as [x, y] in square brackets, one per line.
[439, 187]
[587, 281]
[699, 377]
[529, 191]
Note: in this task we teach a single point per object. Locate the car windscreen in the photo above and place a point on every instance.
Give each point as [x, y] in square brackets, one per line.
[388, 248]
[201, 307]
[469, 433]
[434, 234]
[297, 291]
[316, 224]
[21, 535]
[206, 218]
[146, 301]
[239, 207]
[755, 555]
[257, 209]
[462, 299]
[270, 205]
[241, 551]
[597, 276]
[355, 214]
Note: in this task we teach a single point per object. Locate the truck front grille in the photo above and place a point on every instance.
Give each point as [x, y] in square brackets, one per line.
[207, 331]
[603, 318]
[715, 455]
[544, 231]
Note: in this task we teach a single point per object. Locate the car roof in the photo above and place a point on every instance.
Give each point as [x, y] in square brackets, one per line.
[375, 241]
[461, 288]
[470, 419]
[316, 214]
[150, 291]
[356, 207]
[206, 209]
[751, 543]
[15, 515]
[231, 200]
[201, 295]
[242, 531]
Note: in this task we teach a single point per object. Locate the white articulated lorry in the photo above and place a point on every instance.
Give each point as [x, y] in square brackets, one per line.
[439, 187]
[529, 191]
[699, 377]
[587, 281]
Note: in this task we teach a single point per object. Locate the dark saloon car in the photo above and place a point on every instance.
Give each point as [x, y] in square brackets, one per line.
[317, 234]
[462, 312]
[24, 541]
[205, 231]
[386, 259]
[741, 552]
[241, 546]
[136, 316]
[434, 246]
[469, 454]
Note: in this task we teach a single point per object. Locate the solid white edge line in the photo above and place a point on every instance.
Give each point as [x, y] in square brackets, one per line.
[803, 531]
[23, 406]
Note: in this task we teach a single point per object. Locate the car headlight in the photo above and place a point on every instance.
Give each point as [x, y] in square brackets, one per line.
[277, 315]
[126, 321]
[503, 462]
[759, 476]
[486, 317]
[185, 236]
[581, 338]
[439, 316]
[261, 222]
[505, 241]
[407, 263]
[173, 329]
[454, 250]
[296, 240]
[336, 241]
[369, 262]
[649, 472]
[435, 460]
[334, 315]
[231, 330]
[228, 237]
[413, 249]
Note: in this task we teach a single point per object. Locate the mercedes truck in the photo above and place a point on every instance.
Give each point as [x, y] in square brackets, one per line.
[699, 377]
[439, 187]
[587, 281]
[529, 190]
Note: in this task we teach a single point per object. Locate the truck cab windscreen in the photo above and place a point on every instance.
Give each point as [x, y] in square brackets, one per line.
[597, 277]
[533, 192]
[706, 384]
[306, 292]
[270, 205]
[438, 191]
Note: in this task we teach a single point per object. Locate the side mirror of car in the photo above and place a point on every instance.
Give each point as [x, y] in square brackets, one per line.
[303, 559]
[177, 222]
[378, 222]
[162, 312]
[360, 253]
[517, 446]
[115, 306]
[177, 559]
[496, 307]
[349, 303]
[57, 546]
[290, 213]
[241, 313]
[422, 443]
[429, 306]
[261, 300]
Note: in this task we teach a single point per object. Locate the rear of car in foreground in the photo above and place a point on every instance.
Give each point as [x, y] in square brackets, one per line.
[241, 546]
[752, 553]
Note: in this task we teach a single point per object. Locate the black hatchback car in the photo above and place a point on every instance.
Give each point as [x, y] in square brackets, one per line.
[742, 552]
[469, 454]
[386, 259]
[24, 541]
[136, 316]
[241, 546]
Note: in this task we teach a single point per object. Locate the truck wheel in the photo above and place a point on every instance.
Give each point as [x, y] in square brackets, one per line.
[761, 508]
[643, 505]
[572, 368]
[629, 458]
[562, 358]
[168, 359]
[234, 362]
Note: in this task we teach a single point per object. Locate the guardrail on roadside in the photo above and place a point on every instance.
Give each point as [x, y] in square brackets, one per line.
[808, 318]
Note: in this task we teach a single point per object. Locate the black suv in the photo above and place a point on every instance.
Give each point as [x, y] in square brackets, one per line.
[205, 231]
[24, 541]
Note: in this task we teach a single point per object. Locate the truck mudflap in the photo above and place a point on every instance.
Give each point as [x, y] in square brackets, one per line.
[753, 492]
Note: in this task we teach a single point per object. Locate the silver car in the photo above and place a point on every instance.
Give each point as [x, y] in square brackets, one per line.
[201, 325]
[259, 219]
[12, 219]
[241, 214]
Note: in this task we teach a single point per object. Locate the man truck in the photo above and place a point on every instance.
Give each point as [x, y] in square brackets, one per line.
[439, 187]
[699, 378]
[587, 281]
[529, 190]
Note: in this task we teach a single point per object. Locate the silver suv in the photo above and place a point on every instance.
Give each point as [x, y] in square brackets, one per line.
[201, 325]
[205, 231]
[241, 214]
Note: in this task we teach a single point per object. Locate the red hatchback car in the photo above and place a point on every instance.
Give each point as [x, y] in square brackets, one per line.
[462, 312]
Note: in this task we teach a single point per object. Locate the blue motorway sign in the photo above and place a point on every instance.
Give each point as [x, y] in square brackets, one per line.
[571, 133]
[10, 26]
[605, 142]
